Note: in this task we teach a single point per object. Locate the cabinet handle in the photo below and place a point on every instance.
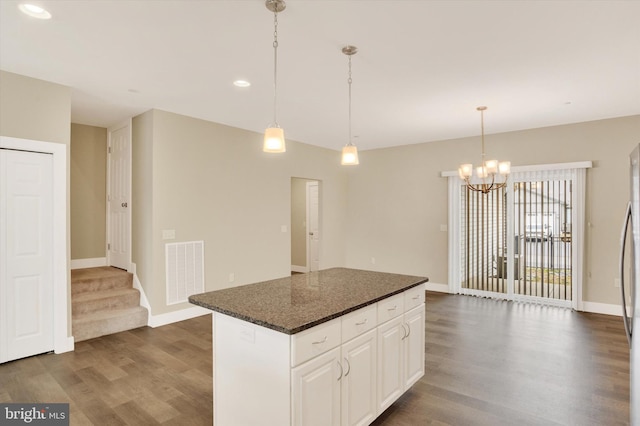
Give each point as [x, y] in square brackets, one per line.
[364, 321]
[341, 370]
[405, 331]
[416, 297]
[392, 309]
[348, 365]
[320, 341]
[408, 330]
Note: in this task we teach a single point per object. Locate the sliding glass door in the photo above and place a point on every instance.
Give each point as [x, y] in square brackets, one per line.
[518, 242]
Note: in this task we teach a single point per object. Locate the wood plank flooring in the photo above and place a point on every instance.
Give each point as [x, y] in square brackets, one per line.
[488, 363]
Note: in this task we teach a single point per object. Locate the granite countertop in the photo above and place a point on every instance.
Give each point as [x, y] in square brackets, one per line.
[296, 303]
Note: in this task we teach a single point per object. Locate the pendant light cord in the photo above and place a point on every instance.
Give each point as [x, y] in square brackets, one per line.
[275, 67]
[349, 80]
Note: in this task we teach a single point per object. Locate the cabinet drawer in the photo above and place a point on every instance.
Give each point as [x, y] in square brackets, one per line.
[315, 341]
[413, 297]
[390, 308]
[358, 322]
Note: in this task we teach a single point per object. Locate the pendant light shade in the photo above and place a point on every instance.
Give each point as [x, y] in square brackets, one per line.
[349, 151]
[274, 134]
[274, 140]
[350, 155]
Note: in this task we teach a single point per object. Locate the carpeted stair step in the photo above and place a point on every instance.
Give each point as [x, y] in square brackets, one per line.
[119, 298]
[96, 324]
[98, 279]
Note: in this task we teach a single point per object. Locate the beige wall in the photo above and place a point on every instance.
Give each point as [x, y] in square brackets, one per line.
[88, 191]
[212, 182]
[397, 199]
[38, 110]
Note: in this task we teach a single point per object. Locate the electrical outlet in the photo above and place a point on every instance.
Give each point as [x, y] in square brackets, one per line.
[616, 282]
[232, 277]
[373, 260]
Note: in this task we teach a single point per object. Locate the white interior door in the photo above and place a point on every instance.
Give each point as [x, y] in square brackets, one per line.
[26, 254]
[119, 198]
[313, 226]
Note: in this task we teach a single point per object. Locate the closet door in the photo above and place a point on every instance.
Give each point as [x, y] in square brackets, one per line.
[26, 267]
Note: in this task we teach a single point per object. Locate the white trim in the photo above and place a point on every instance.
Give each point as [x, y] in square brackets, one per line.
[144, 302]
[602, 308]
[62, 341]
[95, 262]
[297, 268]
[177, 316]
[454, 235]
[441, 288]
[536, 168]
[154, 321]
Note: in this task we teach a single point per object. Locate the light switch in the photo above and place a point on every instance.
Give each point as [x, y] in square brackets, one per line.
[168, 234]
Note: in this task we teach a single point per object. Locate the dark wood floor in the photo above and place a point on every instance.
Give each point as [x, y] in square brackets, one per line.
[488, 363]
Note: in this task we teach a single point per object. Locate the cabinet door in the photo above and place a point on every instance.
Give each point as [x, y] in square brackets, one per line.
[359, 406]
[390, 362]
[316, 391]
[414, 346]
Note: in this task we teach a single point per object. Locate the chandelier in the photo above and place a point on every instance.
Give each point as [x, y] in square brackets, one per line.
[487, 171]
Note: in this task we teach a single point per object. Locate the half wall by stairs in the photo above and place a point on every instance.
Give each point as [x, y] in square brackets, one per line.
[104, 302]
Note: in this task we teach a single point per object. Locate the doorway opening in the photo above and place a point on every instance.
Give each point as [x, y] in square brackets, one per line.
[305, 225]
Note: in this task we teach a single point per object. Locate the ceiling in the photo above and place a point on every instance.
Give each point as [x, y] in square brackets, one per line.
[422, 67]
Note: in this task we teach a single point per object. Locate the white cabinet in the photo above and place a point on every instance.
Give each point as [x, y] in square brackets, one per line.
[414, 346]
[358, 389]
[316, 390]
[346, 371]
[400, 355]
[390, 362]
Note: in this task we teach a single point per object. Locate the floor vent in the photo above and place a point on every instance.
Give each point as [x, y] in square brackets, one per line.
[185, 270]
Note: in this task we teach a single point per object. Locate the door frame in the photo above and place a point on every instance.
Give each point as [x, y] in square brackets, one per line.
[308, 221]
[578, 175]
[62, 338]
[110, 130]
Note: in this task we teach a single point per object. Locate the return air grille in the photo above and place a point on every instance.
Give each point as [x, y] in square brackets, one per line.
[184, 270]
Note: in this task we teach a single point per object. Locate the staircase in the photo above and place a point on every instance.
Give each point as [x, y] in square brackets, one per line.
[103, 301]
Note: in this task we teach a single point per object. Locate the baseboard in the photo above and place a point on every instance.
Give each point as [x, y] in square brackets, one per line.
[67, 345]
[296, 268]
[602, 308]
[88, 263]
[144, 302]
[177, 316]
[154, 321]
[442, 288]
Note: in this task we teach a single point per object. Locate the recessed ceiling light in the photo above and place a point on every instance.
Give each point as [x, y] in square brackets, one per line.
[34, 11]
[241, 83]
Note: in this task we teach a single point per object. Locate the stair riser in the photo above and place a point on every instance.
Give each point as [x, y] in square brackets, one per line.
[123, 301]
[90, 329]
[99, 284]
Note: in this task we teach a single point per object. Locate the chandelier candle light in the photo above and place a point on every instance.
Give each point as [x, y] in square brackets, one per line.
[487, 171]
[274, 135]
[349, 151]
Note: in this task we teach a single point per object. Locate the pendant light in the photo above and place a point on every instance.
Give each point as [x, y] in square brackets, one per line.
[349, 151]
[487, 170]
[274, 134]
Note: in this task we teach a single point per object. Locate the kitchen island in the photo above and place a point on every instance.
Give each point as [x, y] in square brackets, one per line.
[331, 347]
